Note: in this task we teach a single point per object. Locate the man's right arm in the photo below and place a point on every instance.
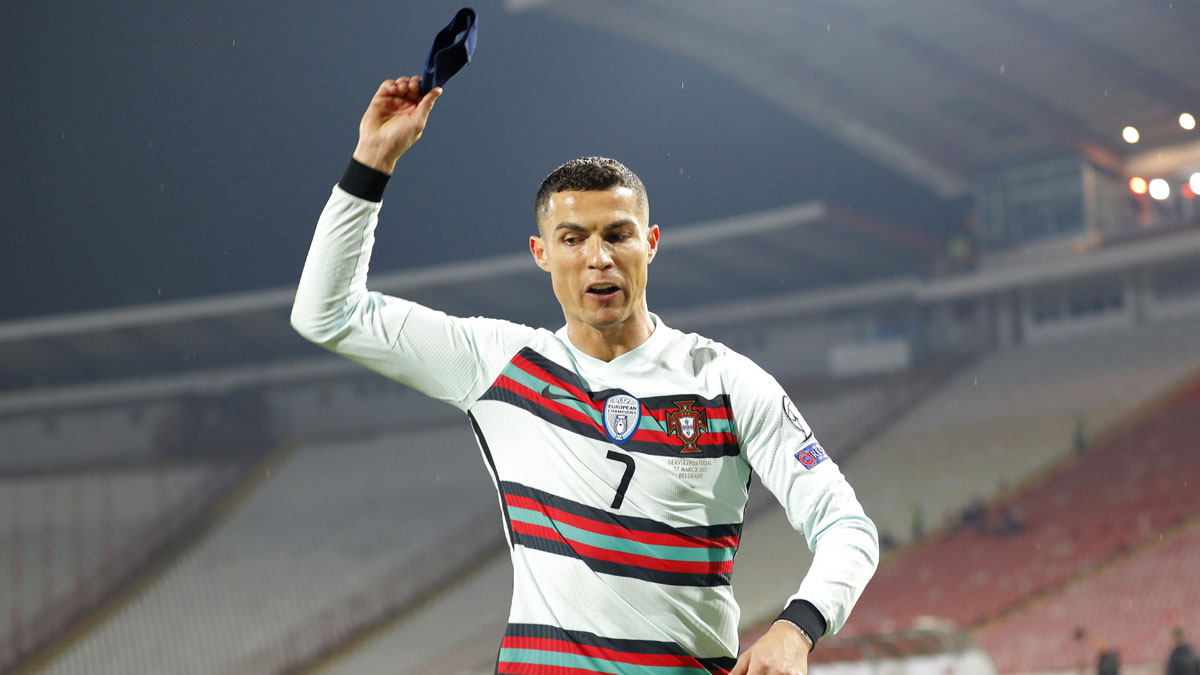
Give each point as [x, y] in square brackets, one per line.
[439, 355]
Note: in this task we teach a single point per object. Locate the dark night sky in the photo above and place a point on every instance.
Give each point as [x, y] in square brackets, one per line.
[158, 151]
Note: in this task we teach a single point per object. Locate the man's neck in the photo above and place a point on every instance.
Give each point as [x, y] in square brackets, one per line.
[608, 343]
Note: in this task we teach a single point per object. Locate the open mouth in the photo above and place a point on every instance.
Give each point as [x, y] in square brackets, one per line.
[602, 290]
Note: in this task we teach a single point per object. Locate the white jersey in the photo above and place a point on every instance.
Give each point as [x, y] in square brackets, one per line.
[622, 484]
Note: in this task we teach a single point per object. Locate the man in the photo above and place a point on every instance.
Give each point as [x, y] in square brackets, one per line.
[621, 449]
[1182, 660]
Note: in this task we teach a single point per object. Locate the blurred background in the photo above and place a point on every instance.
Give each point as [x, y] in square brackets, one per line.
[964, 234]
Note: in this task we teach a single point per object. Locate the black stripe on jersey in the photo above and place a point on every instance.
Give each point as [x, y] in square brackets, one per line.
[495, 393]
[566, 375]
[634, 523]
[617, 569]
[533, 630]
[487, 455]
[547, 545]
[631, 524]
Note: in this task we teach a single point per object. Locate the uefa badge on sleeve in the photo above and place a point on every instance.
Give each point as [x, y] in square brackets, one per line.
[622, 414]
[811, 455]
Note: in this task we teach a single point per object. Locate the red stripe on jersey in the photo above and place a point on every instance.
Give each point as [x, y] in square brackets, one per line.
[599, 527]
[512, 668]
[509, 384]
[631, 559]
[563, 646]
[542, 374]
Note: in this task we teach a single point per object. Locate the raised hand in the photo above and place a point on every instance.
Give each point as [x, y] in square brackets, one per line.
[393, 121]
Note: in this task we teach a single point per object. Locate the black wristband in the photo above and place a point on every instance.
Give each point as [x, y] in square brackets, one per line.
[805, 615]
[364, 182]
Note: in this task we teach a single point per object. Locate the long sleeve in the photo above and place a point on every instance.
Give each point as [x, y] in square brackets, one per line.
[445, 357]
[787, 457]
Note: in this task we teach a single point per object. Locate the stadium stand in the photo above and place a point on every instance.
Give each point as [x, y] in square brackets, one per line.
[845, 415]
[301, 544]
[321, 637]
[1132, 605]
[302, 567]
[441, 637]
[1011, 414]
[1120, 493]
[312, 572]
[72, 538]
[70, 438]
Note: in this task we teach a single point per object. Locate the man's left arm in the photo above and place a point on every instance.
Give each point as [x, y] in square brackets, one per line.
[785, 453]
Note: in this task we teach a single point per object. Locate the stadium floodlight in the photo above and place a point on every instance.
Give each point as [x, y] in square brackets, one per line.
[1194, 182]
[1187, 121]
[1160, 189]
[1137, 185]
[1130, 135]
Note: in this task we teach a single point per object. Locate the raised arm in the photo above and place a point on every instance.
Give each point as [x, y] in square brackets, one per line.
[445, 357]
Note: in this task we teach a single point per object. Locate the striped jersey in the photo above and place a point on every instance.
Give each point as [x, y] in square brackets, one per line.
[622, 483]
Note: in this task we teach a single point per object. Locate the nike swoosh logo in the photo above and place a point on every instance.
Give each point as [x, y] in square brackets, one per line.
[546, 393]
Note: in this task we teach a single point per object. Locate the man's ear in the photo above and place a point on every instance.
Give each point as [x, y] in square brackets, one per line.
[537, 246]
[652, 240]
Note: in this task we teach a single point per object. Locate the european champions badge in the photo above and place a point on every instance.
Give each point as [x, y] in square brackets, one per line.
[622, 414]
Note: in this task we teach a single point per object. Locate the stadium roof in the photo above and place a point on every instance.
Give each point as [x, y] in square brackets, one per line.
[807, 246]
[944, 92]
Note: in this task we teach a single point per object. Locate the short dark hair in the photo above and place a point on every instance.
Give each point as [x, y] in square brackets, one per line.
[590, 173]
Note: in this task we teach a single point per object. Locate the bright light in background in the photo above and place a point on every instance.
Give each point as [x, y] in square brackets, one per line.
[1160, 189]
[1137, 185]
[1130, 135]
[1187, 121]
[1194, 182]
[1187, 192]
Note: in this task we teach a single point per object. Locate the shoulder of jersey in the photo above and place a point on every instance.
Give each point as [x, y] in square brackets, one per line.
[716, 350]
[699, 351]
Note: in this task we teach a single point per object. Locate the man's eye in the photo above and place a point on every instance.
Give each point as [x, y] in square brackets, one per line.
[571, 240]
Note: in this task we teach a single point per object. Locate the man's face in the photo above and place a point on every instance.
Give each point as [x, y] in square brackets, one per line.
[596, 245]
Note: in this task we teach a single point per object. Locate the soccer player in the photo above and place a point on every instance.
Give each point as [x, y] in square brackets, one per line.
[621, 448]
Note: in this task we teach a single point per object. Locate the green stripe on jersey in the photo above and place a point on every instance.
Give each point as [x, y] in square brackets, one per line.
[563, 659]
[518, 375]
[620, 544]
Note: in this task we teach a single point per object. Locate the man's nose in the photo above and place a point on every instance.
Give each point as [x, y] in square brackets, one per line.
[598, 255]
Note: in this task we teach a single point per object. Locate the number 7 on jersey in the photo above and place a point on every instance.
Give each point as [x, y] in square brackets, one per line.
[625, 478]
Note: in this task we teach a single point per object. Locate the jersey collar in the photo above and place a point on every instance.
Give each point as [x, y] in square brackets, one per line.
[635, 355]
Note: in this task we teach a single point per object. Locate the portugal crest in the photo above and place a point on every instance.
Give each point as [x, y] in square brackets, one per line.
[687, 423]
